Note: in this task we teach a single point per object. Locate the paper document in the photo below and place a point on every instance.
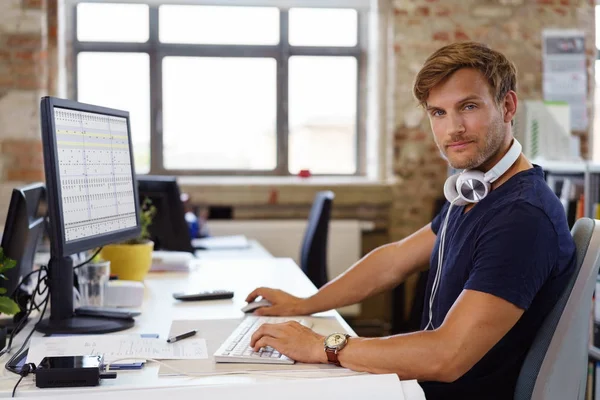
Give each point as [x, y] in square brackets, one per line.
[116, 347]
[221, 242]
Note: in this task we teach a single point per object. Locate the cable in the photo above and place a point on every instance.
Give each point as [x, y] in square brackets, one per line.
[89, 259]
[302, 374]
[438, 272]
[27, 369]
[44, 302]
[32, 304]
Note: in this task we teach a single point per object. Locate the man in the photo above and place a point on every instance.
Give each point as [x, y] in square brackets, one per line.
[506, 258]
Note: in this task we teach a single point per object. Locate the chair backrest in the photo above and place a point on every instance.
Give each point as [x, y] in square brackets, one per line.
[313, 254]
[555, 366]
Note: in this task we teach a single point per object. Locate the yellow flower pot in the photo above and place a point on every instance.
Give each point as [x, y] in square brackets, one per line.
[130, 262]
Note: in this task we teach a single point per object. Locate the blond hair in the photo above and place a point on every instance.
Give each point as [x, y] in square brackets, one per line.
[500, 73]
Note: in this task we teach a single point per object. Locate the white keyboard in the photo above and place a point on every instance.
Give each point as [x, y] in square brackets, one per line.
[236, 348]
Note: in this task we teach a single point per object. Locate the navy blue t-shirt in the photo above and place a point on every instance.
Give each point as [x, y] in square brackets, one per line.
[514, 244]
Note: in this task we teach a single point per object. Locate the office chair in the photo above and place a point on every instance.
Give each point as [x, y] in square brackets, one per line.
[556, 365]
[313, 253]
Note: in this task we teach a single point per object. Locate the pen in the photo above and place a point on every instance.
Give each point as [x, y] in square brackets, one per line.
[182, 336]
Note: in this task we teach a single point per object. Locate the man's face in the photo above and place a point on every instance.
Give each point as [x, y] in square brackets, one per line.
[467, 125]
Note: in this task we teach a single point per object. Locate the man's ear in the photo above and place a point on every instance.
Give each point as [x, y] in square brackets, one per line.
[509, 106]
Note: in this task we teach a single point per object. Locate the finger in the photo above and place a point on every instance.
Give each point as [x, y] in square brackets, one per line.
[264, 342]
[253, 295]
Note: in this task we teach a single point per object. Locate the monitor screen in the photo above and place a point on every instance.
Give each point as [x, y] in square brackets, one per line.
[96, 182]
[92, 193]
[169, 230]
[23, 232]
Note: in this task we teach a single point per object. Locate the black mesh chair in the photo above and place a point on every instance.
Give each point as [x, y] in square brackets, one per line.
[313, 254]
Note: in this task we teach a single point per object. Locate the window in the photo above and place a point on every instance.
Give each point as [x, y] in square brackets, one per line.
[219, 90]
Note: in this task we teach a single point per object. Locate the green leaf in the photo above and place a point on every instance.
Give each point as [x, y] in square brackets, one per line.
[2, 290]
[8, 306]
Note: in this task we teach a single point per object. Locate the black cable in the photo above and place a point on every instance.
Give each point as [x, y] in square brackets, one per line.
[15, 388]
[8, 365]
[23, 320]
[89, 259]
[27, 369]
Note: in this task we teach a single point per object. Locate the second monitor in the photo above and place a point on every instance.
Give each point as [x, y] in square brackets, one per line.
[169, 230]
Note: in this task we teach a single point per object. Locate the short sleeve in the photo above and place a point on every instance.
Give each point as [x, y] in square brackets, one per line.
[514, 254]
[438, 219]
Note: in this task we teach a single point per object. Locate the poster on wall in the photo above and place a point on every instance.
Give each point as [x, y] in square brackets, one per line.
[564, 72]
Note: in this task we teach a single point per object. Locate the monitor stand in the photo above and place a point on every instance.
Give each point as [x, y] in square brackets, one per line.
[62, 319]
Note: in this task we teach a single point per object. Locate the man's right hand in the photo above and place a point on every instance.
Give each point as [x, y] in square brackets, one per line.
[282, 303]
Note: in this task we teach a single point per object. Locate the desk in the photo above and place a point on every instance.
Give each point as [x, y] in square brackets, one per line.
[253, 251]
[159, 309]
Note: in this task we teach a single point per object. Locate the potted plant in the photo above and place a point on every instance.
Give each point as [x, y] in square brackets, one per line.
[131, 260]
[7, 305]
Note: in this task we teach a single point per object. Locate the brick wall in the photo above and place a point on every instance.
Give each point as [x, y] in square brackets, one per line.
[25, 50]
[421, 26]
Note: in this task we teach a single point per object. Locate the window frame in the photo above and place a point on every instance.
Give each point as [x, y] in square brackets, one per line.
[280, 52]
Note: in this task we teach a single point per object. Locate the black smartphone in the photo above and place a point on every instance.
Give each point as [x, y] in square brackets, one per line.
[205, 295]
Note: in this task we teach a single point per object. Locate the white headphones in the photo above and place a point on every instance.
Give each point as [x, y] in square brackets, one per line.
[471, 186]
[468, 186]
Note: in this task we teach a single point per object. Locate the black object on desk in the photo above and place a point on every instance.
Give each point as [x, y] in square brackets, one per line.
[182, 336]
[71, 371]
[206, 295]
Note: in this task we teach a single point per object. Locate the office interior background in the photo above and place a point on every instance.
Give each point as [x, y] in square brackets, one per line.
[238, 98]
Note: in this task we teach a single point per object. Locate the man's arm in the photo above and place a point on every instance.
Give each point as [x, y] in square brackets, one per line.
[381, 269]
[474, 324]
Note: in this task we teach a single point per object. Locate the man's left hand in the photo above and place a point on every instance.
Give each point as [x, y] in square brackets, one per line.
[291, 339]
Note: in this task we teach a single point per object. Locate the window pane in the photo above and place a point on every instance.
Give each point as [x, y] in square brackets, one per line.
[122, 81]
[127, 22]
[219, 25]
[219, 113]
[322, 114]
[323, 27]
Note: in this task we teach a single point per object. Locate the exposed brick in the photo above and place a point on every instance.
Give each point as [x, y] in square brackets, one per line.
[442, 11]
[35, 4]
[30, 55]
[561, 11]
[400, 12]
[548, 2]
[460, 35]
[565, 2]
[21, 146]
[31, 159]
[423, 11]
[24, 41]
[25, 175]
[443, 36]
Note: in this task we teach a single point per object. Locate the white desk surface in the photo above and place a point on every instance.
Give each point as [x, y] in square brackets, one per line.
[255, 250]
[159, 309]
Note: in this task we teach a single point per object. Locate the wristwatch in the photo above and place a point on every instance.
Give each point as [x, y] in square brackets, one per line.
[333, 344]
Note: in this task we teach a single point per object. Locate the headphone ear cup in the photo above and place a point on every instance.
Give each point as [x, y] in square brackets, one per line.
[472, 187]
[450, 189]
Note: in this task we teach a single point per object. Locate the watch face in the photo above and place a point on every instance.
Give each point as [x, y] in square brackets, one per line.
[335, 340]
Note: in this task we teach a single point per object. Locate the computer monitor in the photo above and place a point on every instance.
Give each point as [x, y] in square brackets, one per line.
[23, 231]
[92, 199]
[169, 230]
